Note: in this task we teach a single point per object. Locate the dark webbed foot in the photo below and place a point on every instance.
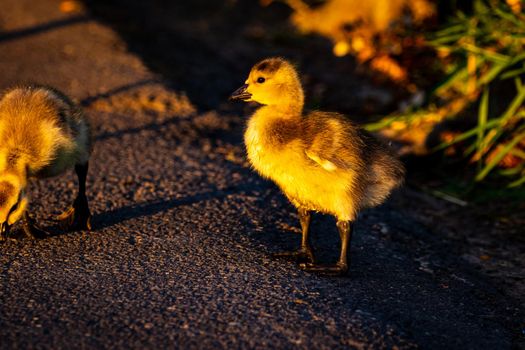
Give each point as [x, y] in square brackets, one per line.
[332, 270]
[305, 254]
[302, 255]
[31, 230]
[76, 217]
[341, 267]
[4, 231]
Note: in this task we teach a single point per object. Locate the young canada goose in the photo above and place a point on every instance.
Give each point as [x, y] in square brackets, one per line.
[42, 134]
[322, 161]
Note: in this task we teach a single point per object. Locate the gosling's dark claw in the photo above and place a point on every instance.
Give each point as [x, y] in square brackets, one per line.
[31, 230]
[4, 231]
[331, 270]
[75, 218]
[66, 219]
[301, 256]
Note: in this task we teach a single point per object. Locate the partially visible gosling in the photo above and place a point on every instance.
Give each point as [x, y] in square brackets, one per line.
[42, 134]
[322, 161]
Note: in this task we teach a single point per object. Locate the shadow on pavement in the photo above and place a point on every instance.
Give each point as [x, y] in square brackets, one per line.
[121, 89]
[41, 28]
[119, 215]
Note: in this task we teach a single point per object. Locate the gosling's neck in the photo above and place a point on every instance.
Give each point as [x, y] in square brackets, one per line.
[286, 107]
[281, 111]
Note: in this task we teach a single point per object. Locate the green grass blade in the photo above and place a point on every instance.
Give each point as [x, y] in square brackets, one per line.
[451, 28]
[492, 73]
[467, 134]
[457, 139]
[518, 182]
[499, 156]
[492, 56]
[470, 149]
[381, 124]
[509, 17]
[511, 171]
[514, 105]
[518, 153]
[517, 83]
[458, 75]
[482, 118]
[512, 73]
[517, 58]
[446, 40]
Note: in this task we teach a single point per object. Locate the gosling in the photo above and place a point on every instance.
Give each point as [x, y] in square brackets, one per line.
[42, 134]
[322, 161]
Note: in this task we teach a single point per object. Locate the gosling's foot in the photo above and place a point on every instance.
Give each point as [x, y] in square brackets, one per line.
[31, 230]
[76, 218]
[302, 256]
[331, 270]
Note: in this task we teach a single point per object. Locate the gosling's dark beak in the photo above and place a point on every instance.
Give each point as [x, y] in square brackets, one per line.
[4, 229]
[241, 94]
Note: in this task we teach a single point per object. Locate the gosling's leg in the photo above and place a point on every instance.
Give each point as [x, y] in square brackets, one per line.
[4, 232]
[30, 229]
[341, 267]
[78, 216]
[305, 253]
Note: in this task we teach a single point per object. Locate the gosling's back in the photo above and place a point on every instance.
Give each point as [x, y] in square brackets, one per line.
[374, 166]
[44, 128]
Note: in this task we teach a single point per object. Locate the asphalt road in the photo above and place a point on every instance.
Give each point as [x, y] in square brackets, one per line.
[183, 229]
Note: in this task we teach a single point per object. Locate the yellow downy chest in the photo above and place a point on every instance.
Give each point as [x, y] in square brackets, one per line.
[301, 180]
[268, 158]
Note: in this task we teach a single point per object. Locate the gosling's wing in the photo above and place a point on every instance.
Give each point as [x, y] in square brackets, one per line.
[335, 143]
[324, 163]
[327, 155]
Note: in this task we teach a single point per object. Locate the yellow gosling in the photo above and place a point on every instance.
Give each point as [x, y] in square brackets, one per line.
[322, 161]
[42, 134]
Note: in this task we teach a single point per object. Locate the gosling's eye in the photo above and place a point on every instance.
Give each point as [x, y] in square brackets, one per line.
[261, 80]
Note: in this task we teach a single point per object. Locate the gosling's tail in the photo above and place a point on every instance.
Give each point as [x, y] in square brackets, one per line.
[386, 174]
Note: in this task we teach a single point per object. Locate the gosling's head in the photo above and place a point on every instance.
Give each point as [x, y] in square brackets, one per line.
[13, 202]
[272, 82]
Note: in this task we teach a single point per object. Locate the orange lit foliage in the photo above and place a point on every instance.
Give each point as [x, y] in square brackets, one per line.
[483, 55]
[355, 25]
[70, 6]
[515, 5]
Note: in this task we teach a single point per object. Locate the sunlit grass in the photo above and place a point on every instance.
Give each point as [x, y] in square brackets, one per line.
[478, 51]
